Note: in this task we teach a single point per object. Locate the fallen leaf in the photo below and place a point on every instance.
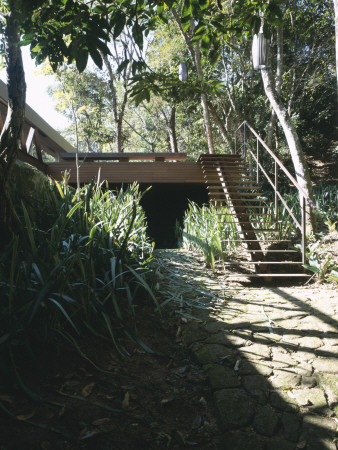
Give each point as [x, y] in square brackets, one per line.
[62, 411]
[24, 417]
[101, 421]
[236, 368]
[87, 374]
[125, 403]
[6, 398]
[301, 444]
[86, 434]
[197, 423]
[181, 436]
[87, 390]
[203, 401]
[164, 401]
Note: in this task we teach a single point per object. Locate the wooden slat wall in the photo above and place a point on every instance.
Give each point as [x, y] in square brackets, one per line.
[128, 172]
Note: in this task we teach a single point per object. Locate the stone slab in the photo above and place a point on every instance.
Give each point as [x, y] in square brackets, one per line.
[235, 407]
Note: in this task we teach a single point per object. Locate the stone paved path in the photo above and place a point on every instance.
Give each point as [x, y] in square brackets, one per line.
[270, 355]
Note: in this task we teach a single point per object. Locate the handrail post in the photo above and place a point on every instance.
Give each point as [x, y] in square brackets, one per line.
[250, 156]
[257, 156]
[244, 143]
[303, 229]
[276, 190]
[236, 142]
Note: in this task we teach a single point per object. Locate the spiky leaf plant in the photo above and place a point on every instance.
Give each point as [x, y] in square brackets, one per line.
[79, 267]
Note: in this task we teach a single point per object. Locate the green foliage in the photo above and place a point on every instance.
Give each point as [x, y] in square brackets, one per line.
[320, 264]
[79, 268]
[62, 30]
[168, 86]
[206, 231]
[86, 100]
[326, 200]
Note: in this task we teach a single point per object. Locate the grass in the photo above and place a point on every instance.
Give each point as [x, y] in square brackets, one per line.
[78, 268]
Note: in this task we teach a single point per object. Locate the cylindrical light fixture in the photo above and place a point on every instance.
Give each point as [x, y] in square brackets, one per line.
[183, 72]
[259, 51]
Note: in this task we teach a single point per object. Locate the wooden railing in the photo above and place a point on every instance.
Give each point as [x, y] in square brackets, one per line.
[124, 157]
[246, 149]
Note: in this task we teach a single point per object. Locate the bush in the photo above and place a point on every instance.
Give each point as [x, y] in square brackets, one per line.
[79, 267]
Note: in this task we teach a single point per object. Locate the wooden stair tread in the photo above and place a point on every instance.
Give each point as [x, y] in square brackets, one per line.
[274, 251]
[268, 275]
[262, 262]
[249, 194]
[230, 186]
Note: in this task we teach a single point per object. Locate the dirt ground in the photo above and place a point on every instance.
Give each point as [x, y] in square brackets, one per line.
[139, 401]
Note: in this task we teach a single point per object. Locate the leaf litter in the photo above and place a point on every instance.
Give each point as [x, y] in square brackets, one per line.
[144, 401]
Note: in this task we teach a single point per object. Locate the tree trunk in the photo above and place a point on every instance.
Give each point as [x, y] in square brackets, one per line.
[221, 127]
[204, 101]
[335, 4]
[279, 75]
[119, 124]
[118, 118]
[10, 139]
[297, 155]
[196, 58]
[172, 130]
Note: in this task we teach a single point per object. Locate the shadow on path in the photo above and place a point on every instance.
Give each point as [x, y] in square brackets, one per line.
[270, 355]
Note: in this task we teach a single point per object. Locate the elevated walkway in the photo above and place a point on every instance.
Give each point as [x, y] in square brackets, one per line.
[116, 168]
[44, 148]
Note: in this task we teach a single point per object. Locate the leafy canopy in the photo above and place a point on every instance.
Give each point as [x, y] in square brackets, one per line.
[72, 30]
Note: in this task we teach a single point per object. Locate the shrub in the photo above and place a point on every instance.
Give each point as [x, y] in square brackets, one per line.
[80, 266]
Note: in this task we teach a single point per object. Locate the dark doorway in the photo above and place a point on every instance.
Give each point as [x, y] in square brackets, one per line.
[164, 204]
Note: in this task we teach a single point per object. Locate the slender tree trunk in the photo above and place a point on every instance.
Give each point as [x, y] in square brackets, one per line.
[335, 4]
[118, 118]
[172, 130]
[10, 139]
[196, 58]
[297, 155]
[204, 101]
[221, 127]
[170, 121]
[278, 86]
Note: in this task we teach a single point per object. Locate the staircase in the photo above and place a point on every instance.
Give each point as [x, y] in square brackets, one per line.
[263, 238]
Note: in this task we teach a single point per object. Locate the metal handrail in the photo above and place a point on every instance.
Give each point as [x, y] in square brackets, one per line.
[278, 164]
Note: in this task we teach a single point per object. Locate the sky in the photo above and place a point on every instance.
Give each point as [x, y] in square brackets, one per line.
[37, 97]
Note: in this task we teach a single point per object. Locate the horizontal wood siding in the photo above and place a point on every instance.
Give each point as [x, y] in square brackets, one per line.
[128, 172]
